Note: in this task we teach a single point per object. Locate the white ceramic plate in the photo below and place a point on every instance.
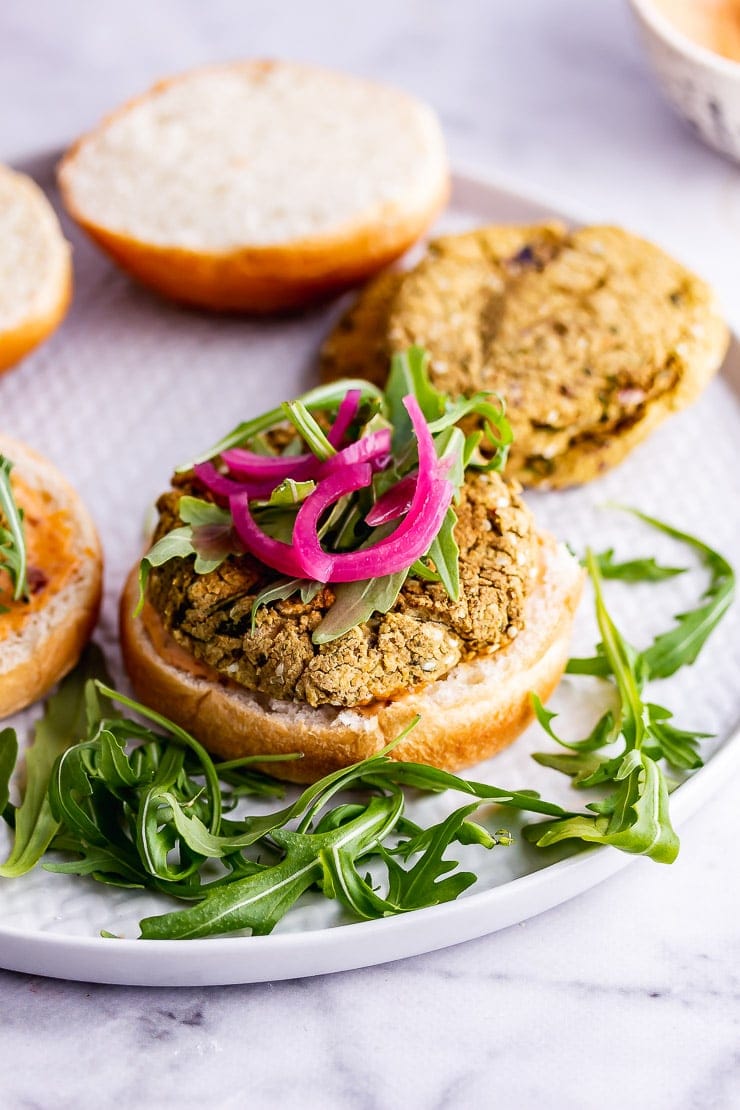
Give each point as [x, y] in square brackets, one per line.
[132, 385]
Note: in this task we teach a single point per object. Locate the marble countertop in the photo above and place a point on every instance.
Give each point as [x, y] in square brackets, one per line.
[627, 996]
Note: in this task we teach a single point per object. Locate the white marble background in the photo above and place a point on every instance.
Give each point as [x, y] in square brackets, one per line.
[628, 996]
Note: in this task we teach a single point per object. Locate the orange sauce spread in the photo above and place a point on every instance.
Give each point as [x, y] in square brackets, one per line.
[714, 24]
[51, 556]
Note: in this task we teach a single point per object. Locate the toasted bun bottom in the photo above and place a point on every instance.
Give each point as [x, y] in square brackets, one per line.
[48, 641]
[479, 708]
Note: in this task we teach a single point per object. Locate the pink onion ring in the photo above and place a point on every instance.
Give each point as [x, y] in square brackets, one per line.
[393, 503]
[397, 552]
[372, 448]
[223, 486]
[273, 553]
[275, 468]
[346, 413]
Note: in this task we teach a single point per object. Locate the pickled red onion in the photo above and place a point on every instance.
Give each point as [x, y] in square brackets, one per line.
[273, 553]
[224, 486]
[412, 538]
[424, 497]
[248, 464]
[346, 413]
[393, 503]
[374, 448]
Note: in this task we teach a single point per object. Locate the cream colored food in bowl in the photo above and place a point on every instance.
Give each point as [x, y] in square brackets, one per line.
[694, 48]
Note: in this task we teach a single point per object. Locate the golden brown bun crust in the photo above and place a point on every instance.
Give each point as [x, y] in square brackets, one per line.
[16, 344]
[50, 641]
[483, 706]
[256, 279]
[263, 280]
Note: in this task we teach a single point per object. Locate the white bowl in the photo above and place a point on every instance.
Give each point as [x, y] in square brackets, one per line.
[702, 86]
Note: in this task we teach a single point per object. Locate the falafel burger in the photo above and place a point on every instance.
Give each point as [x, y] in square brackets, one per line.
[50, 576]
[342, 565]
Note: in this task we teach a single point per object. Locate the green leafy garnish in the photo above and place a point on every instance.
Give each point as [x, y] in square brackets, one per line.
[316, 400]
[355, 602]
[308, 429]
[681, 645]
[12, 535]
[635, 816]
[282, 590]
[634, 570]
[207, 533]
[290, 492]
[627, 745]
[34, 823]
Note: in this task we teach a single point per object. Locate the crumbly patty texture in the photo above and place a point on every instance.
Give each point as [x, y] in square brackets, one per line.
[419, 640]
[592, 337]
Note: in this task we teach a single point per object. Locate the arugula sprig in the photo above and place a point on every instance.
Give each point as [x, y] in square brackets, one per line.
[207, 533]
[12, 535]
[627, 745]
[680, 646]
[634, 817]
[143, 805]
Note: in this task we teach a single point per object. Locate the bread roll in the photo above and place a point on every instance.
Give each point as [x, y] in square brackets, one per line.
[35, 268]
[41, 638]
[258, 186]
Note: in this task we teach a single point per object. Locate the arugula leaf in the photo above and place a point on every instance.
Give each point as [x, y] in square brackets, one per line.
[276, 591]
[199, 513]
[322, 397]
[491, 411]
[259, 901]
[289, 492]
[680, 646]
[62, 724]
[12, 535]
[634, 570]
[444, 553]
[208, 534]
[408, 375]
[635, 817]
[601, 734]
[677, 746]
[309, 430]
[8, 757]
[639, 822]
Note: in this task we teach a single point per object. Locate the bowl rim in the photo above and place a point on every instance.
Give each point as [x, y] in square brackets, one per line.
[681, 43]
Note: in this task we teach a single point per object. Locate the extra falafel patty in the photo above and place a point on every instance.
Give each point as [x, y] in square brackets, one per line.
[419, 640]
[592, 337]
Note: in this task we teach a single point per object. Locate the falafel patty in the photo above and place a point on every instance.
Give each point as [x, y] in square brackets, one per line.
[592, 337]
[422, 637]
